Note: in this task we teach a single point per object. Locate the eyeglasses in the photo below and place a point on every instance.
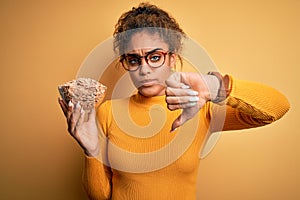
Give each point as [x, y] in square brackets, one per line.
[155, 58]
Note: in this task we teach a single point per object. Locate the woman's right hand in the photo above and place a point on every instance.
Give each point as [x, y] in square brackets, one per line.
[85, 132]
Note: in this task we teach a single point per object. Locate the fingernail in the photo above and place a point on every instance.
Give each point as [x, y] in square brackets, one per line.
[173, 130]
[78, 104]
[81, 110]
[192, 92]
[70, 104]
[185, 87]
[194, 99]
[193, 104]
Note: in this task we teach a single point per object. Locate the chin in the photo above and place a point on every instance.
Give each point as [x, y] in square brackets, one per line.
[155, 90]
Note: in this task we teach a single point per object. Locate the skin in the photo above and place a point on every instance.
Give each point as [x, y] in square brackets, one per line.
[150, 81]
[186, 91]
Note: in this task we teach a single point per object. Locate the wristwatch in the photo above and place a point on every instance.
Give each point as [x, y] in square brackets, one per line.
[224, 89]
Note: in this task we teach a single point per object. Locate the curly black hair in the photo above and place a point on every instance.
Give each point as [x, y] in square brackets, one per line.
[150, 18]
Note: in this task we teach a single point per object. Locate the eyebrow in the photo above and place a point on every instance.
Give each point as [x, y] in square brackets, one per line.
[148, 52]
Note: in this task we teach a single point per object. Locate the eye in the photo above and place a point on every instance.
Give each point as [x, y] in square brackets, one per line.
[132, 60]
[155, 57]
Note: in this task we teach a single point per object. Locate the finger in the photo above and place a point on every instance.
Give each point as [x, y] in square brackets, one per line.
[175, 81]
[79, 122]
[63, 106]
[92, 115]
[181, 99]
[180, 120]
[173, 107]
[180, 92]
[74, 117]
[70, 110]
[63, 102]
[174, 84]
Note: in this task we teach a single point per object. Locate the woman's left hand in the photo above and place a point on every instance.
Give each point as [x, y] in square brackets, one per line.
[189, 91]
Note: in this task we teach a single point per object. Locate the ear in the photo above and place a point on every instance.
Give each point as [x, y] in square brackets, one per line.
[172, 60]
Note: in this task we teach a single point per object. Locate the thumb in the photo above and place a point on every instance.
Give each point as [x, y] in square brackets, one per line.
[180, 120]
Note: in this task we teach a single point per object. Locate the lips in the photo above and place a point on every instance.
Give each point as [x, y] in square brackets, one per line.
[148, 82]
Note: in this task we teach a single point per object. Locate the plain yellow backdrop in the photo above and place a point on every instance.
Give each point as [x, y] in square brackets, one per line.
[43, 43]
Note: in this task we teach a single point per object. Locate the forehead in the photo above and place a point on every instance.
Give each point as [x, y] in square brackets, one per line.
[145, 41]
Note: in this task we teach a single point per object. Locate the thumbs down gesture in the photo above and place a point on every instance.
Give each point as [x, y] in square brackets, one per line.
[189, 91]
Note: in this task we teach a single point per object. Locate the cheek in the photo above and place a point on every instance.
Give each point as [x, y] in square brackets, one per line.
[164, 73]
[134, 77]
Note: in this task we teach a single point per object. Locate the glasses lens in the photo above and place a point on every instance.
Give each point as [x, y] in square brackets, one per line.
[156, 59]
[131, 63]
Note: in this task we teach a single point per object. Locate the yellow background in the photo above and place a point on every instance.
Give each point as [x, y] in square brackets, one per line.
[43, 44]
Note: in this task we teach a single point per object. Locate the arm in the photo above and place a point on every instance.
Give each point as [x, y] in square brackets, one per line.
[83, 128]
[233, 103]
[97, 175]
[96, 179]
[251, 104]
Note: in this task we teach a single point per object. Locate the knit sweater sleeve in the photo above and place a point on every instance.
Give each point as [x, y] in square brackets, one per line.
[249, 105]
[96, 174]
[96, 179]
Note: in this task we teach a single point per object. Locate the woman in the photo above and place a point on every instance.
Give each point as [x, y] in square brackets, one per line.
[114, 167]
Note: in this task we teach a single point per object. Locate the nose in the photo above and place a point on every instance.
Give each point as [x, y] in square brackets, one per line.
[145, 68]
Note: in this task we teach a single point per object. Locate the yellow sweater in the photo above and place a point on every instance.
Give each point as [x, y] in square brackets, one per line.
[156, 164]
